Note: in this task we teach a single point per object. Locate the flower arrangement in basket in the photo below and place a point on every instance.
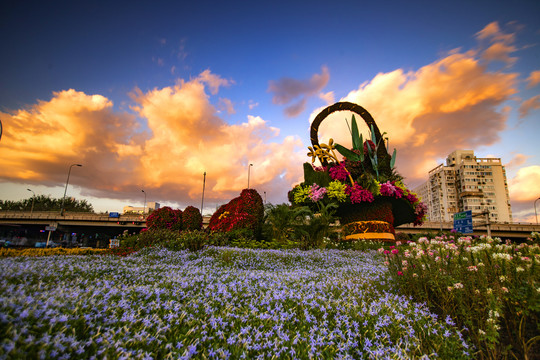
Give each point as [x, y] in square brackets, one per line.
[370, 194]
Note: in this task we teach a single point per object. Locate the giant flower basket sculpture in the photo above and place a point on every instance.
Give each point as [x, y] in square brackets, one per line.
[370, 194]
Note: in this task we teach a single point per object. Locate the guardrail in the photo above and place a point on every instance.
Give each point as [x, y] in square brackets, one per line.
[55, 215]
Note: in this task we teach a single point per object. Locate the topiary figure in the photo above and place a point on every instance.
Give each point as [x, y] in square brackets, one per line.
[243, 212]
[192, 219]
[165, 218]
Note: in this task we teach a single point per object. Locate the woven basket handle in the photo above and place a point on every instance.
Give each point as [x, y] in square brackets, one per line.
[344, 106]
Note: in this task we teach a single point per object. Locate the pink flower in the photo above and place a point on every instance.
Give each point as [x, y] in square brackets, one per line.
[319, 168]
[399, 273]
[387, 189]
[339, 172]
[395, 251]
[316, 192]
[358, 194]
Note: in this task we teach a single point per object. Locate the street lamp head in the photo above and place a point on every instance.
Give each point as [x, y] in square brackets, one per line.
[142, 190]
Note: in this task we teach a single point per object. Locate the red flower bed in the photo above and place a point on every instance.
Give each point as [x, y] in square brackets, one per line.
[165, 218]
[243, 212]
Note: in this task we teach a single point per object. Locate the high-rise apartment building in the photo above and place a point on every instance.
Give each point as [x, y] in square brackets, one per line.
[467, 183]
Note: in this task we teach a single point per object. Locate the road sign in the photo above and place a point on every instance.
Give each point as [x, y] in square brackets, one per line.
[114, 215]
[463, 222]
[50, 228]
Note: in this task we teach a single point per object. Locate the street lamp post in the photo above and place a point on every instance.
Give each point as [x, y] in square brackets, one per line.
[535, 213]
[265, 197]
[65, 190]
[203, 185]
[33, 198]
[249, 167]
[144, 207]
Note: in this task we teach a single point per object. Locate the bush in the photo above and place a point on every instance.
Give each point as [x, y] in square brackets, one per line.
[149, 238]
[490, 288]
[243, 212]
[192, 219]
[165, 218]
[49, 252]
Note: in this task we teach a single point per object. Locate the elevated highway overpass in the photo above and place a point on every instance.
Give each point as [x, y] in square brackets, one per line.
[106, 224]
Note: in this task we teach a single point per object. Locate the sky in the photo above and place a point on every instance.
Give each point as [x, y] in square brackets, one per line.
[150, 95]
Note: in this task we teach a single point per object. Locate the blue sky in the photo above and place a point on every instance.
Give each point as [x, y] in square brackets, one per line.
[149, 95]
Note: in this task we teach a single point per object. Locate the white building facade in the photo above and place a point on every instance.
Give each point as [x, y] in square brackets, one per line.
[464, 183]
[151, 206]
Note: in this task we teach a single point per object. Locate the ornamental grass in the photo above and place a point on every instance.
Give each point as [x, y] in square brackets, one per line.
[218, 303]
[490, 288]
[7, 252]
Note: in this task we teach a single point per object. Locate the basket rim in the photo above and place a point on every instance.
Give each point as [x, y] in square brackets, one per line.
[345, 106]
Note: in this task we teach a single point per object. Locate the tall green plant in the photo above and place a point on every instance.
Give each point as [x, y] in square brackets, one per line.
[317, 226]
[282, 221]
[358, 142]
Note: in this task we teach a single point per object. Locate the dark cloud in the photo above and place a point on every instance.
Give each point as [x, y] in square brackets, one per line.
[287, 90]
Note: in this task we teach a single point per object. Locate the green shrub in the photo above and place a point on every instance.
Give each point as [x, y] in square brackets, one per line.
[193, 240]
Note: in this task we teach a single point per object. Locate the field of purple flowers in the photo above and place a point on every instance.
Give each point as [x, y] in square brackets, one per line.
[218, 303]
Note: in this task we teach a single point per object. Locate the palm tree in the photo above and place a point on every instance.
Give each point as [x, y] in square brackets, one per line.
[282, 221]
[318, 226]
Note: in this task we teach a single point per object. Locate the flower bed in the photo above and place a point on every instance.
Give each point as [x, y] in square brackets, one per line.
[218, 303]
[491, 288]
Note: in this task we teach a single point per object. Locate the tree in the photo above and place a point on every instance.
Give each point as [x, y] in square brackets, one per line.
[46, 203]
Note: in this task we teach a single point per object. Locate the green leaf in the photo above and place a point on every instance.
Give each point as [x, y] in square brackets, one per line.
[361, 155]
[356, 137]
[393, 159]
[347, 153]
[373, 138]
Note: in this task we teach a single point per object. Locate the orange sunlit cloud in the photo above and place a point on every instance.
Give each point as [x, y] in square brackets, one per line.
[185, 137]
[525, 186]
[453, 103]
[533, 79]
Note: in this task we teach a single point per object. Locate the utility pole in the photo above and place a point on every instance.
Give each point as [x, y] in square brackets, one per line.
[249, 167]
[203, 185]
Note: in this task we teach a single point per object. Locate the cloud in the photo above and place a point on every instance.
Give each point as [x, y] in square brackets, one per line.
[501, 44]
[226, 105]
[288, 90]
[533, 79]
[524, 189]
[296, 109]
[525, 186]
[252, 105]
[213, 81]
[327, 97]
[41, 141]
[452, 103]
[517, 160]
[529, 105]
[185, 137]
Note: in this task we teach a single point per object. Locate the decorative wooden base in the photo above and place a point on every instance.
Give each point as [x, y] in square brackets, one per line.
[368, 230]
